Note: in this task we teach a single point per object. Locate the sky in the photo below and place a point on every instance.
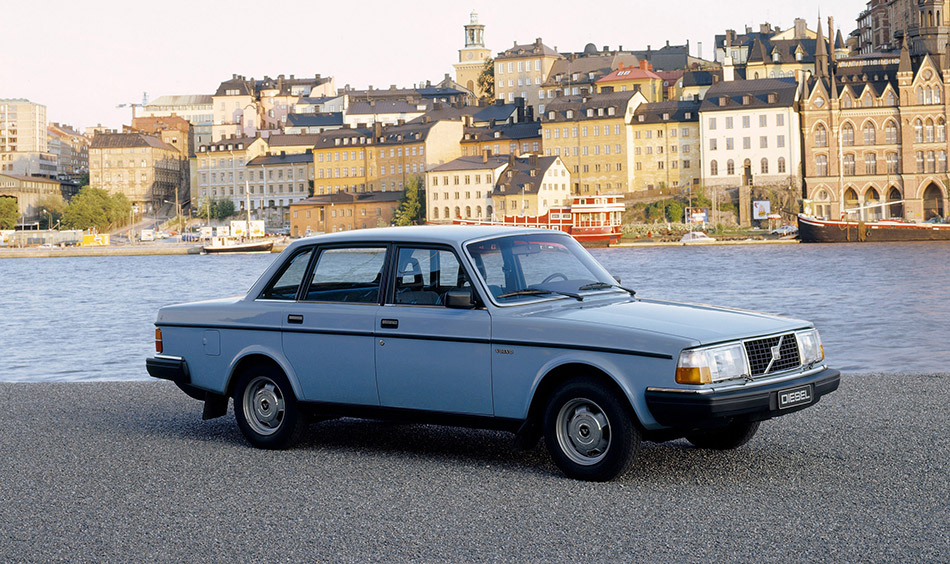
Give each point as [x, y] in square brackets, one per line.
[82, 59]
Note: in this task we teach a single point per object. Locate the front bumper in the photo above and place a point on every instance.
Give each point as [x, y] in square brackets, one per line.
[754, 401]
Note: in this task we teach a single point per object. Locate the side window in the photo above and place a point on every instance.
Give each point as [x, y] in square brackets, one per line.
[285, 284]
[423, 276]
[347, 275]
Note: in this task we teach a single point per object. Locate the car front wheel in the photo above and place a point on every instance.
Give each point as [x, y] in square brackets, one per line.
[733, 435]
[266, 410]
[589, 432]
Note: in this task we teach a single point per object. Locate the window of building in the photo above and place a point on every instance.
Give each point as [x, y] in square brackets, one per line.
[849, 165]
[869, 133]
[821, 165]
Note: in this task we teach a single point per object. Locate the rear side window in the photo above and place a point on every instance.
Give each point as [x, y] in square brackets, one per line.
[347, 275]
[287, 282]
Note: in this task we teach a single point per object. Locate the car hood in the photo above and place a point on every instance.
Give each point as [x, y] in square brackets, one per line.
[702, 324]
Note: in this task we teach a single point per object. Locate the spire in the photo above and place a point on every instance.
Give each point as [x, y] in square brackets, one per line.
[821, 53]
[831, 45]
[905, 65]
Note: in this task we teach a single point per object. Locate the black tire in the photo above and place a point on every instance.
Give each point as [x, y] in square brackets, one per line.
[266, 409]
[733, 435]
[590, 432]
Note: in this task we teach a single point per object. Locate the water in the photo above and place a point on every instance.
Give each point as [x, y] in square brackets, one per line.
[879, 307]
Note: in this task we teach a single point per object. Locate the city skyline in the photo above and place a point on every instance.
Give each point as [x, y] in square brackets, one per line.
[93, 59]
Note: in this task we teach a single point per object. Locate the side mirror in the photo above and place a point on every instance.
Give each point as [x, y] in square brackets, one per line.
[617, 278]
[460, 299]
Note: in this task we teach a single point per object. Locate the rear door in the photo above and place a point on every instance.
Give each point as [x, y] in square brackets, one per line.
[329, 333]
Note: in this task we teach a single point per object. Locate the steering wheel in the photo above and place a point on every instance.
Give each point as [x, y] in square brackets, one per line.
[551, 277]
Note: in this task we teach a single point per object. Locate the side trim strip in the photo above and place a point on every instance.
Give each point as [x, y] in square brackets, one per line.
[394, 335]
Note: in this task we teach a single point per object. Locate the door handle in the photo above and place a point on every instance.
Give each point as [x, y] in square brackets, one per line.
[294, 318]
[389, 323]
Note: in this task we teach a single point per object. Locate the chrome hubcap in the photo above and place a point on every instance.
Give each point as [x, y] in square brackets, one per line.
[263, 405]
[583, 431]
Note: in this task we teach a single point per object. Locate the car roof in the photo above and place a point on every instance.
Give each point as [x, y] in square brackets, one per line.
[442, 234]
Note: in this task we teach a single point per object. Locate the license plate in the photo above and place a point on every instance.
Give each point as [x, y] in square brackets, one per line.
[792, 397]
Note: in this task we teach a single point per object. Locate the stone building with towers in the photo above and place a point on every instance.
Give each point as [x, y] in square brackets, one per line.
[472, 57]
[874, 127]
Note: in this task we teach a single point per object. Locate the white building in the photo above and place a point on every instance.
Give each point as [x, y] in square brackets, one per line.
[462, 188]
[750, 134]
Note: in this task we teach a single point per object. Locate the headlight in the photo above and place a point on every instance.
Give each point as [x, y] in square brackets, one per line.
[809, 347]
[713, 364]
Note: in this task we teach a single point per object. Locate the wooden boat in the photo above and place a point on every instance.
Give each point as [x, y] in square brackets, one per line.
[230, 246]
[814, 230]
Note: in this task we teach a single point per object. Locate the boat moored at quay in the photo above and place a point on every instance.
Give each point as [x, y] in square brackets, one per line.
[850, 230]
[589, 219]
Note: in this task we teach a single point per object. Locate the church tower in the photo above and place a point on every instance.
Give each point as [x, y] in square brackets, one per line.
[472, 58]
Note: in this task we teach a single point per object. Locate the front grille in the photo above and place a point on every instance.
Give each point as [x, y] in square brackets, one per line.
[760, 354]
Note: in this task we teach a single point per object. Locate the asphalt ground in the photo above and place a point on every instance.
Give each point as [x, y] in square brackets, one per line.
[128, 472]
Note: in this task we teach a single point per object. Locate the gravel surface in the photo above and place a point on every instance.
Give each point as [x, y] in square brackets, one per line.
[123, 472]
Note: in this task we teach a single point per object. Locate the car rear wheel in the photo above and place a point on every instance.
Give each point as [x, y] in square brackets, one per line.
[590, 432]
[729, 437]
[266, 410]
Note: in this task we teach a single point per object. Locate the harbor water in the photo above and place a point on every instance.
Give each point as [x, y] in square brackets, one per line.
[879, 307]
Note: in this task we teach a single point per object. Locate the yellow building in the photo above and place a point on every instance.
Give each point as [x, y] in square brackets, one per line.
[530, 187]
[640, 78]
[590, 135]
[666, 145]
[505, 139]
[219, 172]
[144, 168]
[521, 71]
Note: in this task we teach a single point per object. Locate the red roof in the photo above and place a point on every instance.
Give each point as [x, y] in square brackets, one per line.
[631, 73]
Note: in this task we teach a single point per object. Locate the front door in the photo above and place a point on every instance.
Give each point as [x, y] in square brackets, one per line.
[428, 356]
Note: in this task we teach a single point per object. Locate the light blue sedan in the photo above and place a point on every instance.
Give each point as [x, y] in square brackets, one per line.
[491, 327]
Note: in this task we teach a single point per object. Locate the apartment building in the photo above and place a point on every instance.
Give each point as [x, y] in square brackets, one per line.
[462, 188]
[521, 70]
[666, 145]
[246, 107]
[143, 167]
[638, 78]
[342, 211]
[275, 182]
[531, 186]
[70, 147]
[502, 139]
[24, 145]
[591, 137]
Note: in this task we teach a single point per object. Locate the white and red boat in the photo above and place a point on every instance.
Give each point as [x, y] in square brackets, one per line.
[593, 219]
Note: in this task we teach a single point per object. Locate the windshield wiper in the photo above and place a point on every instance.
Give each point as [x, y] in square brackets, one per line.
[539, 291]
[605, 285]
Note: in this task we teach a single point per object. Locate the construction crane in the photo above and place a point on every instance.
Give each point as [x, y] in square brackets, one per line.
[133, 105]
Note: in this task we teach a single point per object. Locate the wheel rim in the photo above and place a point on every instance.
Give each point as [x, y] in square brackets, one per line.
[264, 405]
[583, 431]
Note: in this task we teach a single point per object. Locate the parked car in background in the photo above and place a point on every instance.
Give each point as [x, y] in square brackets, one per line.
[694, 237]
[495, 327]
[785, 230]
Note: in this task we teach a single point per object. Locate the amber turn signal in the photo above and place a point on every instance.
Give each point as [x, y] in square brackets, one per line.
[158, 340]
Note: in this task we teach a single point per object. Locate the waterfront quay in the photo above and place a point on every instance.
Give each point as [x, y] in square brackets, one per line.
[128, 471]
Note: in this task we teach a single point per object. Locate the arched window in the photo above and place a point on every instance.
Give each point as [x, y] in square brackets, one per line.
[869, 133]
[458, 212]
[446, 210]
[847, 135]
[781, 165]
[893, 165]
[941, 161]
[870, 163]
[941, 130]
[918, 131]
[730, 167]
[850, 199]
[929, 131]
[920, 95]
[928, 95]
[919, 157]
[821, 165]
[868, 102]
[931, 161]
[872, 197]
[713, 168]
[764, 166]
[435, 213]
[821, 136]
[891, 99]
[478, 212]
[823, 203]
[937, 95]
[846, 101]
[890, 132]
[468, 212]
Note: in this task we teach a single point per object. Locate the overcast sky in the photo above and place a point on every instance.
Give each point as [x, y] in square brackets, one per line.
[81, 59]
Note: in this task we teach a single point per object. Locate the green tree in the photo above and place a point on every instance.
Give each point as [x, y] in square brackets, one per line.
[310, 188]
[486, 80]
[674, 211]
[223, 208]
[411, 205]
[94, 207]
[9, 214]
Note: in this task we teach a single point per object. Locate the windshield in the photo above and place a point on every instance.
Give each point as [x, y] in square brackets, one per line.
[523, 267]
